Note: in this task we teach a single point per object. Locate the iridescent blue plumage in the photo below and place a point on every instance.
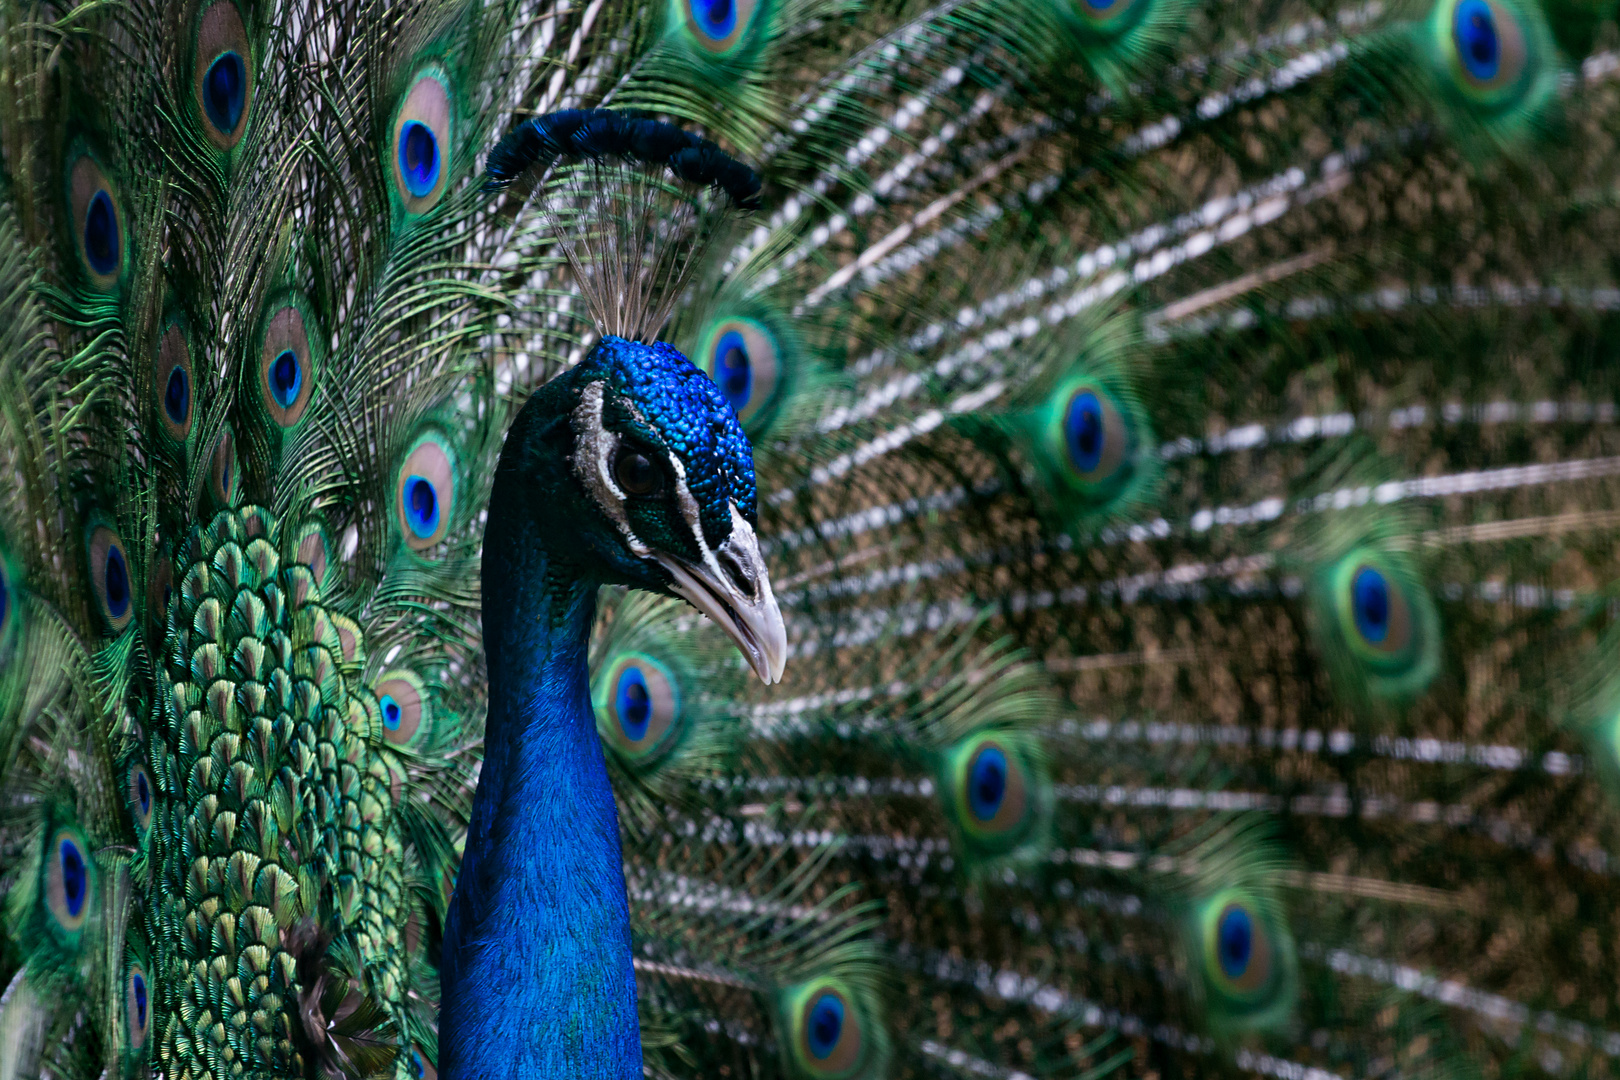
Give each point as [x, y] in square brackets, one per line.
[631, 469]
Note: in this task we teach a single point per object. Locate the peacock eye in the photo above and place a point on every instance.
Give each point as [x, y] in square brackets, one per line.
[1239, 950]
[744, 359]
[137, 1006]
[285, 369]
[140, 797]
[639, 709]
[222, 80]
[829, 1038]
[224, 478]
[109, 573]
[1109, 18]
[1234, 941]
[987, 782]
[636, 474]
[419, 158]
[98, 224]
[173, 381]
[718, 27]
[425, 492]
[403, 708]
[68, 881]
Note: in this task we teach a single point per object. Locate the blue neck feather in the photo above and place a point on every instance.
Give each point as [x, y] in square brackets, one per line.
[536, 975]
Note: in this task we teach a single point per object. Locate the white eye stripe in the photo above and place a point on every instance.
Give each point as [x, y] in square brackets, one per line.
[593, 464]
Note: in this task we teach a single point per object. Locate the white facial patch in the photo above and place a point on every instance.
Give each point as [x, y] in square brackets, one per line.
[598, 448]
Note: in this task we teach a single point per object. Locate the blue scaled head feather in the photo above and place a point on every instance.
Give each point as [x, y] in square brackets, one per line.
[636, 466]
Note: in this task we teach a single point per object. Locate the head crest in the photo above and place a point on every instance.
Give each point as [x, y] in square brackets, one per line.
[633, 203]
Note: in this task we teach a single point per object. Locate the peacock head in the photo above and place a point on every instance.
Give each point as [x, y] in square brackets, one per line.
[636, 472]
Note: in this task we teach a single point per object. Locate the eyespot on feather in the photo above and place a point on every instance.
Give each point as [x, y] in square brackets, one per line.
[1110, 18]
[638, 709]
[1096, 438]
[1246, 961]
[1488, 50]
[222, 76]
[992, 792]
[1085, 444]
[137, 1006]
[420, 146]
[141, 795]
[97, 223]
[403, 704]
[418, 1066]
[9, 614]
[743, 358]
[110, 579]
[717, 27]
[174, 382]
[1379, 626]
[286, 366]
[831, 1030]
[224, 476]
[69, 882]
[425, 492]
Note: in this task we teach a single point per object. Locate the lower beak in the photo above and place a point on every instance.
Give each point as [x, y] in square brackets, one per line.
[735, 593]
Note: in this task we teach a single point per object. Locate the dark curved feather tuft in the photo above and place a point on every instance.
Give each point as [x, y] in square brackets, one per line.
[594, 134]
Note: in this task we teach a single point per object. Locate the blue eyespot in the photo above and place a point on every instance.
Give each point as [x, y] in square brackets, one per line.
[823, 1026]
[288, 364]
[75, 876]
[285, 378]
[632, 704]
[137, 1006]
[714, 18]
[117, 583]
[638, 709]
[1101, 7]
[1083, 428]
[101, 234]
[1234, 942]
[67, 882]
[177, 396]
[138, 985]
[225, 92]
[422, 138]
[425, 492]
[733, 370]
[744, 357]
[403, 703]
[109, 574]
[418, 158]
[1479, 47]
[222, 74]
[420, 1067]
[1369, 598]
[421, 506]
[97, 225]
[987, 783]
[171, 377]
[718, 27]
[140, 796]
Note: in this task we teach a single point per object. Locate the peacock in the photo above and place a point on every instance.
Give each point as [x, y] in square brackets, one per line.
[821, 539]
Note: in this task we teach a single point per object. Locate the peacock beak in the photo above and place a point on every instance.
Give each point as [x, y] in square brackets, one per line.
[733, 589]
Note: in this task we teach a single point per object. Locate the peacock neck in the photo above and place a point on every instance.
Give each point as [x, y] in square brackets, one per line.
[536, 977]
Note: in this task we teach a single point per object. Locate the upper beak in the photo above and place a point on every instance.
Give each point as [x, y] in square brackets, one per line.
[733, 590]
